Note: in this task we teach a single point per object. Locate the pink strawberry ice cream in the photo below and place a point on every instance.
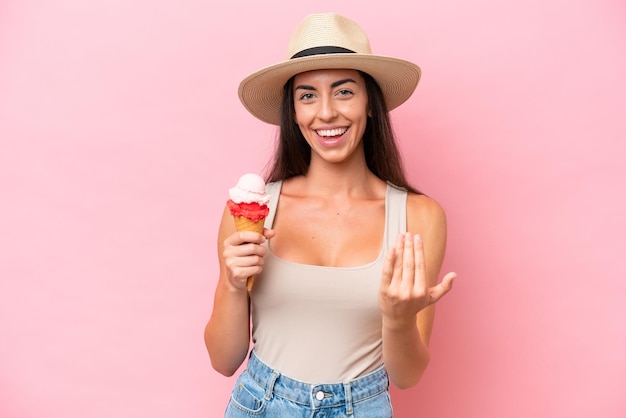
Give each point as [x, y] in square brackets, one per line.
[248, 198]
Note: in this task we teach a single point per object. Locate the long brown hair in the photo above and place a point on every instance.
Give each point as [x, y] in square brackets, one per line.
[293, 154]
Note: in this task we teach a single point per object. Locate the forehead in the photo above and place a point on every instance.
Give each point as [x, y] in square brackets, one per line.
[327, 76]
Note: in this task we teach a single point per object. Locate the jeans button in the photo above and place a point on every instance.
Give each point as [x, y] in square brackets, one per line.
[319, 395]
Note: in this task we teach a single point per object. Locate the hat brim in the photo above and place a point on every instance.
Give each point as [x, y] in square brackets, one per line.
[261, 92]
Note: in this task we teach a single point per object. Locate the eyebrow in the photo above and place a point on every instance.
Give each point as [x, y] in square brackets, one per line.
[333, 85]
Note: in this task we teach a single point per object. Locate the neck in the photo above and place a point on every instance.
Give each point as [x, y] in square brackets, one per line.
[349, 178]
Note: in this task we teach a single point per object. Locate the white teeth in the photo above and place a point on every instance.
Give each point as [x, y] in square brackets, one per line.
[332, 132]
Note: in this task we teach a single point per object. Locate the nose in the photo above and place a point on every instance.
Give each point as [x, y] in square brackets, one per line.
[327, 109]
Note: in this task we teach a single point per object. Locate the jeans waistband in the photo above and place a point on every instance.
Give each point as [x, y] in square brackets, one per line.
[317, 395]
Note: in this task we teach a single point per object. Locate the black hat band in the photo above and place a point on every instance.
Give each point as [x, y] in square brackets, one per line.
[321, 50]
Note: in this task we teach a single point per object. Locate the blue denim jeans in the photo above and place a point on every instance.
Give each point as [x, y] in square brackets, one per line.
[261, 391]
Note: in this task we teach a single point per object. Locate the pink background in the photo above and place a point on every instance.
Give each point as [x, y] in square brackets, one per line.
[121, 131]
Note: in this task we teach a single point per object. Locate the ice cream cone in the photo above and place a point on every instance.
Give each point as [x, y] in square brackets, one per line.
[244, 224]
[248, 206]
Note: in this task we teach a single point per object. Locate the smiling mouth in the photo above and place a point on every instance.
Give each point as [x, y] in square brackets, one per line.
[331, 133]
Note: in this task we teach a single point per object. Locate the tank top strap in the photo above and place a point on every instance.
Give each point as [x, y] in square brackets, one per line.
[272, 189]
[395, 212]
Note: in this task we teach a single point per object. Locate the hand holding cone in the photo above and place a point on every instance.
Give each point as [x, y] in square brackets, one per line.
[245, 224]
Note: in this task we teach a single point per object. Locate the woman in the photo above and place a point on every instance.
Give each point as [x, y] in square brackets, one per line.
[348, 263]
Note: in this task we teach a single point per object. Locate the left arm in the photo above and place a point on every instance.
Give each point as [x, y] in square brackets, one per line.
[409, 290]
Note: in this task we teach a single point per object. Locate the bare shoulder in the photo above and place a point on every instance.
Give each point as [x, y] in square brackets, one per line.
[427, 218]
[425, 215]
[227, 226]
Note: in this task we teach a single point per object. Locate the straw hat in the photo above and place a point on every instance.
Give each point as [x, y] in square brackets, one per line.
[326, 41]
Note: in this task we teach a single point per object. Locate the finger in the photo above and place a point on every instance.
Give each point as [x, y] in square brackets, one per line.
[250, 260]
[408, 261]
[245, 262]
[397, 266]
[243, 256]
[437, 292]
[240, 237]
[388, 263]
[243, 249]
[420, 263]
[243, 273]
[252, 237]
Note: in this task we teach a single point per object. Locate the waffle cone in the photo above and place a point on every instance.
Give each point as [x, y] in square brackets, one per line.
[244, 224]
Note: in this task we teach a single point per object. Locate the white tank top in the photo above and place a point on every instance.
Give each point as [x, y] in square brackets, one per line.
[322, 324]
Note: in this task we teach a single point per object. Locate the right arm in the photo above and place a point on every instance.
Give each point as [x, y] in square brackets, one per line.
[227, 334]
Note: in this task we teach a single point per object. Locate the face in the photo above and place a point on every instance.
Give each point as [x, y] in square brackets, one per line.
[331, 109]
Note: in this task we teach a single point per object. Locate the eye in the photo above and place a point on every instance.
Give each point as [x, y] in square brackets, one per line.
[306, 96]
[344, 93]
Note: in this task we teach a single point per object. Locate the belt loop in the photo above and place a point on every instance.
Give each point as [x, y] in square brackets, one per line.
[269, 390]
[348, 392]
